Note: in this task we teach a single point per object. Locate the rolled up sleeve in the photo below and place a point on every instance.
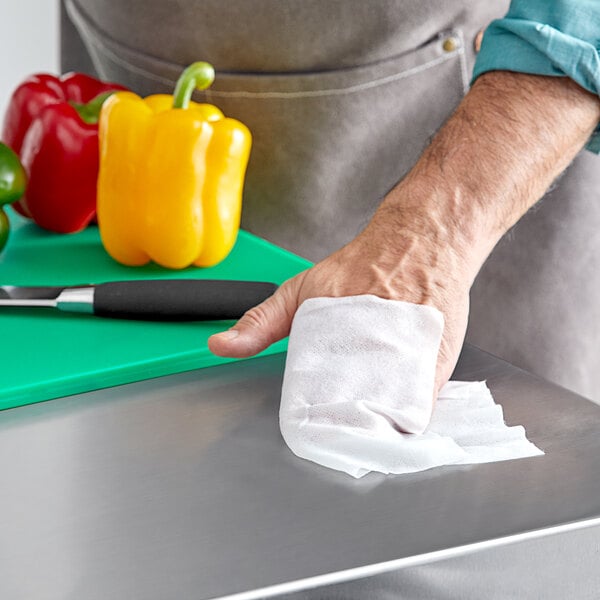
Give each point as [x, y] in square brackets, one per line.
[556, 38]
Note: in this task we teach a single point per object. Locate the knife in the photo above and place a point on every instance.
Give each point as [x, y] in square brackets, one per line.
[150, 300]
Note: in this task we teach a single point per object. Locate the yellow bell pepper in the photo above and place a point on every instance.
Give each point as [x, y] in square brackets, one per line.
[171, 176]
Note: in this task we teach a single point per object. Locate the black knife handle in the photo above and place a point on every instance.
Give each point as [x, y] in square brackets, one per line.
[179, 299]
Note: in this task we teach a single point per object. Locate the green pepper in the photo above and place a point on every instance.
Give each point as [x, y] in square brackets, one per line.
[12, 186]
[4, 229]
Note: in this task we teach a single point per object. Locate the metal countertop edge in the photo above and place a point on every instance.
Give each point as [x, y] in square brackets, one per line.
[401, 563]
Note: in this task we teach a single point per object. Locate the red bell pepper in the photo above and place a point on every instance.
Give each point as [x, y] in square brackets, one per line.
[52, 123]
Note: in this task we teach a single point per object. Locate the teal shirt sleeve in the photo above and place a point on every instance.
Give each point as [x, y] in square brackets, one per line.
[557, 38]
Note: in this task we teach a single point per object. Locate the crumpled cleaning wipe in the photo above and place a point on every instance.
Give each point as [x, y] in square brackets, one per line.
[358, 393]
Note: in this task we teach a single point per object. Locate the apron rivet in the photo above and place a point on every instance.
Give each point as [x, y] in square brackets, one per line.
[450, 44]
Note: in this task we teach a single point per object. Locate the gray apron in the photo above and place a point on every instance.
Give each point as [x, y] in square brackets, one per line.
[335, 124]
[342, 96]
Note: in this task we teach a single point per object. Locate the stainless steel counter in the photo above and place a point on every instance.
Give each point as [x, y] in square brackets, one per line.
[181, 487]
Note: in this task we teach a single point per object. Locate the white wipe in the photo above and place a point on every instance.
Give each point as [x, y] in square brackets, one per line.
[358, 393]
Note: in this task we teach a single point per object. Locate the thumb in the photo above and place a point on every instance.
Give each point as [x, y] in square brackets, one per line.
[260, 327]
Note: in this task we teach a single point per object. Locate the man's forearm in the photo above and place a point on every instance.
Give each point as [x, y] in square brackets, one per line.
[512, 135]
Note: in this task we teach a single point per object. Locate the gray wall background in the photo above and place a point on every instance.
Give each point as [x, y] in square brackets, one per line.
[28, 44]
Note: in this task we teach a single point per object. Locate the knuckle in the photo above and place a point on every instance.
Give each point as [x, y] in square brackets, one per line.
[256, 317]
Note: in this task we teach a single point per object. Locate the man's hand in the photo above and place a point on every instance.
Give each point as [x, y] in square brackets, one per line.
[386, 262]
[509, 139]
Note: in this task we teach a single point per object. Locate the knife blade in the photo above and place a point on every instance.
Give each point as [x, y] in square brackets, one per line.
[150, 300]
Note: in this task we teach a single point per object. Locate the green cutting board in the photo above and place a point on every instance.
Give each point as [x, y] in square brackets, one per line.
[45, 353]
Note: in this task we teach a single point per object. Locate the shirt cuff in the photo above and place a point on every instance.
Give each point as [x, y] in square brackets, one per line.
[526, 46]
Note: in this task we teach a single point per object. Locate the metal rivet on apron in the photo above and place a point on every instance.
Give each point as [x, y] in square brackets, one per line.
[477, 41]
[450, 44]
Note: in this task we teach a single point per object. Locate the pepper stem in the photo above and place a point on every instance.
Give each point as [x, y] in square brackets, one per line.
[198, 76]
[90, 112]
